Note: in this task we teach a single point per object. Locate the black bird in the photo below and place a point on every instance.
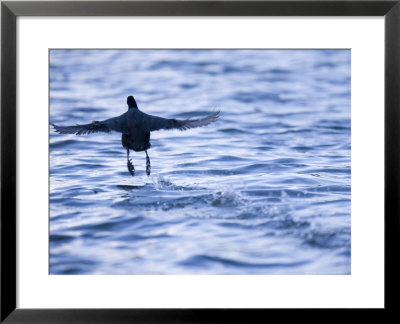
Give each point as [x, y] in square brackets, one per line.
[135, 127]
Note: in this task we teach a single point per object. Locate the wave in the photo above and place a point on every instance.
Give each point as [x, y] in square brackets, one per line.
[205, 261]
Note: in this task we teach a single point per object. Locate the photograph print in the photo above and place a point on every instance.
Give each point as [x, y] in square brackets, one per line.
[200, 162]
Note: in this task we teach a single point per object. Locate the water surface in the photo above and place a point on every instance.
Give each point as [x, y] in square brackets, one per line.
[264, 190]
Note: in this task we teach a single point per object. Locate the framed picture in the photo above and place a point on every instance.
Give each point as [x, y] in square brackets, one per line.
[197, 160]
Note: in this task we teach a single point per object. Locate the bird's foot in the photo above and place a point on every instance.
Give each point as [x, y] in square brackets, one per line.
[131, 168]
[148, 167]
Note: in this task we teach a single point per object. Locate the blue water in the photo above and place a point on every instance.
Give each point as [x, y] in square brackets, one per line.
[263, 190]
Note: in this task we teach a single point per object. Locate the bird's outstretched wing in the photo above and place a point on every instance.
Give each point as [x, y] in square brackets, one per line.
[94, 127]
[153, 123]
[117, 124]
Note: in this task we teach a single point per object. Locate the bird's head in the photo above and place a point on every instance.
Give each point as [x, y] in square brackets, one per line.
[131, 102]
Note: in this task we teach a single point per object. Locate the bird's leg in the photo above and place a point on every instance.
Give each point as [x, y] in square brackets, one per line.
[131, 168]
[148, 167]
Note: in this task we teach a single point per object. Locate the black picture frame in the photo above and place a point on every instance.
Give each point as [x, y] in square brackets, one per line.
[10, 10]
